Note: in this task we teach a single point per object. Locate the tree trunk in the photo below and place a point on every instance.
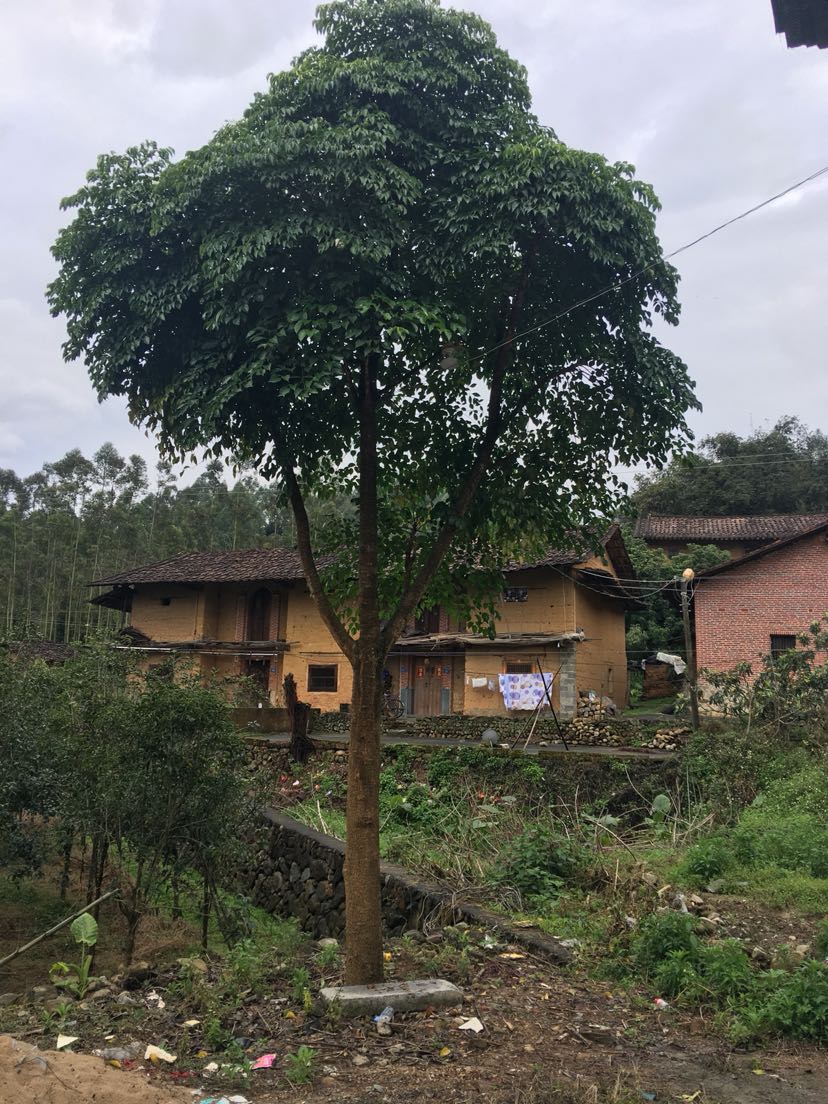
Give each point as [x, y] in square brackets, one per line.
[68, 840]
[363, 916]
[205, 914]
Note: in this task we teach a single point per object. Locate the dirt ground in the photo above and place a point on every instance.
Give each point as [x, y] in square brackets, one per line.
[542, 1028]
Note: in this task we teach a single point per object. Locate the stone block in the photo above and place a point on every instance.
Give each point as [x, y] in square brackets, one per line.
[402, 996]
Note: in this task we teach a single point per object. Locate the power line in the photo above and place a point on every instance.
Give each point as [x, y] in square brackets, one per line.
[665, 257]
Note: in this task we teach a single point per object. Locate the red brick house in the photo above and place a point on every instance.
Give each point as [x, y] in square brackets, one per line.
[760, 603]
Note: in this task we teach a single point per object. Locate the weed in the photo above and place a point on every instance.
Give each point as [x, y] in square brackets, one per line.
[659, 936]
[538, 862]
[301, 1065]
[74, 977]
[299, 981]
[328, 957]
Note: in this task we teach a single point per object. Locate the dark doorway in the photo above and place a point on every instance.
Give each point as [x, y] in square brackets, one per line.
[258, 615]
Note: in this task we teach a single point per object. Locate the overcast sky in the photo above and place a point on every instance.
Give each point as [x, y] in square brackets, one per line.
[701, 95]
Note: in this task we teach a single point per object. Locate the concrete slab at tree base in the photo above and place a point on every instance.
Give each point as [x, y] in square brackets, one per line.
[403, 996]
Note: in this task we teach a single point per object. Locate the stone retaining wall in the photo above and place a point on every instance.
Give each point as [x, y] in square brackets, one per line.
[605, 731]
[296, 871]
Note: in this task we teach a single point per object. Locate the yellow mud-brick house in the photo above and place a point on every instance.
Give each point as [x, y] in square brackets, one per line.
[250, 613]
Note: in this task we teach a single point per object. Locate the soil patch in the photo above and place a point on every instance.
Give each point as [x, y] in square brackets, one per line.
[32, 1076]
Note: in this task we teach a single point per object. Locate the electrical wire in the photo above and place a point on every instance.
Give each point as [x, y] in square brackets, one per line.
[665, 257]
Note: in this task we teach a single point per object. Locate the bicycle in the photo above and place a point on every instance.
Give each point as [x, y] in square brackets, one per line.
[393, 708]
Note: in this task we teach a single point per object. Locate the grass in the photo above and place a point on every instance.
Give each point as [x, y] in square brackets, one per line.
[645, 708]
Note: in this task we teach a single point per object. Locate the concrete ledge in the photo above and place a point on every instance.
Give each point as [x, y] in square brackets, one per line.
[402, 996]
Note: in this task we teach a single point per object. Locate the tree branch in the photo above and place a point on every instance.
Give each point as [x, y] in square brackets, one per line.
[469, 487]
[337, 630]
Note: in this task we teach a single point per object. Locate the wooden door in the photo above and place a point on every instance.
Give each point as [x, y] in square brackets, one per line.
[428, 688]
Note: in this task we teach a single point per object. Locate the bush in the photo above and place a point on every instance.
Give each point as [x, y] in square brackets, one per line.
[711, 858]
[661, 935]
[538, 862]
[794, 1004]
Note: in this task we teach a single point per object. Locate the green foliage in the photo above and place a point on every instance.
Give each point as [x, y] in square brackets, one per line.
[539, 862]
[792, 1004]
[661, 934]
[301, 1065]
[328, 956]
[75, 978]
[706, 860]
[390, 204]
[299, 982]
[28, 780]
[786, 696]
[658, 627]
[776, 471]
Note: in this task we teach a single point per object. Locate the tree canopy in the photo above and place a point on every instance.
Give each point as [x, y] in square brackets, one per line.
[388, 279]
[390, 197]
[776, 471]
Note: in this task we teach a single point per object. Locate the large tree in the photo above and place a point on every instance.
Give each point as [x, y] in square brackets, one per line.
[364, 286]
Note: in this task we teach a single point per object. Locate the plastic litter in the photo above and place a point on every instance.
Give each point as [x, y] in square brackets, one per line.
[191, 1023]
[660, 1004]
[65, 1041]
[117, 1054]
[383, 1020]
[472, 1025]
[211, 1067]
[265, 1061]
[158, 1054]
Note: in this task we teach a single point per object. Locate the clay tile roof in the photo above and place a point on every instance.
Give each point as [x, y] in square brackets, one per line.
[712, 530]
[241, 566]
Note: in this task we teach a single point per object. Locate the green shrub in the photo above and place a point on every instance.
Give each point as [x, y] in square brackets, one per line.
[795, 1005]
[659, 936]
[677, 974]
[726, 969]
[538, 862]
[821, 939]
[708, 859]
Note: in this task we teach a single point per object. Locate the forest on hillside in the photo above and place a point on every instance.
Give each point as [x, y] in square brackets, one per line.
[81, 518]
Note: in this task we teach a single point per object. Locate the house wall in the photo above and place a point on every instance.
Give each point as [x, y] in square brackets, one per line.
[601, 659]
[736, 612]
[182, 619]
[554, 604]
[311, 643]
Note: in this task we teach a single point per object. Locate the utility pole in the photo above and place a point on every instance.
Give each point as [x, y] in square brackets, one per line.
[686, 577]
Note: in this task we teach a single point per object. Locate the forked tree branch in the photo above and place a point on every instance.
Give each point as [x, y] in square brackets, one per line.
[469, 487]
[341, 636]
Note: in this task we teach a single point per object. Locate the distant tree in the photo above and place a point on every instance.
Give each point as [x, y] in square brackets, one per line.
[656, 625]
[777, 471]
[362, 288]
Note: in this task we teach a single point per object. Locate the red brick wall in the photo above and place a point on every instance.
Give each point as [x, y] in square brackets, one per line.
[782, 592]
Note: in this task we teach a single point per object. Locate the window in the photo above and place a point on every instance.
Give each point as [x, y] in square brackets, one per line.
[428, 621]
[516, 594]
[781, 643]
[258, 615]
[322, 678]
[519, 668]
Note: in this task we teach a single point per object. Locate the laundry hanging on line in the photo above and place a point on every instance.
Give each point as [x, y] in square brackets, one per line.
[525, 691]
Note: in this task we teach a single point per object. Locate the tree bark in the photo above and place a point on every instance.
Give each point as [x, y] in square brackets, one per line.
[363, 916]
